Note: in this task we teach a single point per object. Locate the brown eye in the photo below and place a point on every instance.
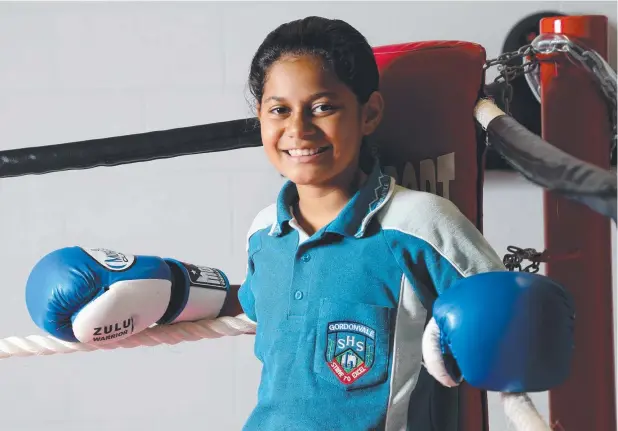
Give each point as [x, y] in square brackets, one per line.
[322, 108]
[279, 110]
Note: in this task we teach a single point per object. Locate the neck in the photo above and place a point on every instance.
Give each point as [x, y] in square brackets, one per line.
[320, 204]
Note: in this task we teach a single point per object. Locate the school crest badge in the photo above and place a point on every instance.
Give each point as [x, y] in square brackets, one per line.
[350, 350]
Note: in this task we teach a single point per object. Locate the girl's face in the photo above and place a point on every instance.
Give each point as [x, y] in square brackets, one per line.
[312, 123]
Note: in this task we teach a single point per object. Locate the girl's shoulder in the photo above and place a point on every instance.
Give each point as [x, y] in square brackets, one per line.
[265, 219]
[420, 208]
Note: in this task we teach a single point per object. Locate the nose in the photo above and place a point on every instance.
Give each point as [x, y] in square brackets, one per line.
[299, 126]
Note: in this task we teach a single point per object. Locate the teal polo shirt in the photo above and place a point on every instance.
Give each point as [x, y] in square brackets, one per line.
[340, 314]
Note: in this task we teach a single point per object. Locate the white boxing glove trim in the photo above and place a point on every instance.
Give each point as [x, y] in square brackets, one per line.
[205, 288]
[432, 355]
[203, 303]
[128, 307]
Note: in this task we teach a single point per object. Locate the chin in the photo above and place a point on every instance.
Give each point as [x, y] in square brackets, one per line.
[305, 180]
[303, 177]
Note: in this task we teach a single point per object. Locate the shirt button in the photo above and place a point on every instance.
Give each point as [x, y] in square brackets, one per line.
[306, 258]
[298, 294]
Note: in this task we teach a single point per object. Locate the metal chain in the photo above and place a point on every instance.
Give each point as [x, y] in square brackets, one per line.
[514, 260]
[578, 54]
[589, 60]
[509, 70]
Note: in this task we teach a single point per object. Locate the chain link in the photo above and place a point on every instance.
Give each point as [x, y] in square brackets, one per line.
[508, 69]
[514, 260]
[528, 62]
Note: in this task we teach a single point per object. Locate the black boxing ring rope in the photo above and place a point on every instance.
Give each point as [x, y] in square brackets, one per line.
[546, 165]
[135, 148]
[535, 159]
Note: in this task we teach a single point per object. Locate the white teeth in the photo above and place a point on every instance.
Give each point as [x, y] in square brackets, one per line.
[305, 152]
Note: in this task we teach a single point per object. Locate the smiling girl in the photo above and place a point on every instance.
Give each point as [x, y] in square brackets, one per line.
[339, 267]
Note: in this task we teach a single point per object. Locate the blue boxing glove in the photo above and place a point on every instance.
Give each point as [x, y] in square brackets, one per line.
[98, 296]
[501, 331]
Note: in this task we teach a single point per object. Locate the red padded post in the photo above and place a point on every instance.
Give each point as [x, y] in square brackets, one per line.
[575, 119]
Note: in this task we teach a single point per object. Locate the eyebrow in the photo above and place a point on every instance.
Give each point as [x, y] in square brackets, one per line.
[312, 97]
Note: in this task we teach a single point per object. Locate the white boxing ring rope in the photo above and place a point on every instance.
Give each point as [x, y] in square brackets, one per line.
[485, 111]
[517, 406]
[38, 345]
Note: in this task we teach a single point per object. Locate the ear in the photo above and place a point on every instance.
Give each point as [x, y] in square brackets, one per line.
[372, 113]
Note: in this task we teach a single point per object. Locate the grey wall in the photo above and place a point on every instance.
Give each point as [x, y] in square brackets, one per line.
[77, 71]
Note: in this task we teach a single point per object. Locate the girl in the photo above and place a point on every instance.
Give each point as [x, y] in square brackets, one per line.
[340, 267]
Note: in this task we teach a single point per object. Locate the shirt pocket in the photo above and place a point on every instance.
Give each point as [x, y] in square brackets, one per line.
[352, 348]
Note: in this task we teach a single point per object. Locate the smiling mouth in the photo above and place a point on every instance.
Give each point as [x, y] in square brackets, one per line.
[306, 152]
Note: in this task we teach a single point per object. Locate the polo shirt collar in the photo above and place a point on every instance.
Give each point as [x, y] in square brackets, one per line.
[355, 216]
